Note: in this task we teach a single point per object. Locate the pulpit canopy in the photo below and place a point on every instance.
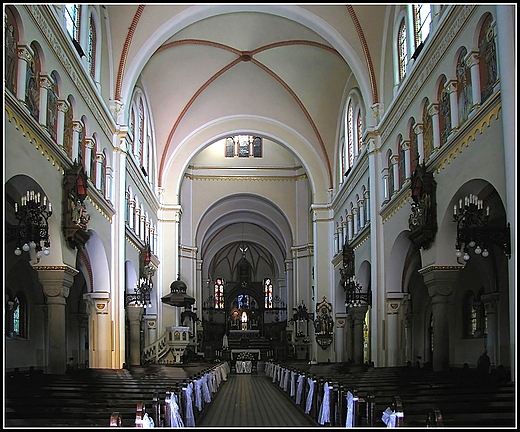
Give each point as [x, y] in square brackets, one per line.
[178, 296]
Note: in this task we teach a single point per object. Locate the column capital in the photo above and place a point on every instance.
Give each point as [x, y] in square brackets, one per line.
[98, 300]
[440, 280]
[394, 301]
[56, 280]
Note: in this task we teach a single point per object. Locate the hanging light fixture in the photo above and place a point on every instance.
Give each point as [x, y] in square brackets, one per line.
[473, 232]
[32, 231]
[353, 295]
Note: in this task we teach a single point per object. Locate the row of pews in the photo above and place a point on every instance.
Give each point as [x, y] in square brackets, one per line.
[110, 397]
[396, 397]
[181, 406]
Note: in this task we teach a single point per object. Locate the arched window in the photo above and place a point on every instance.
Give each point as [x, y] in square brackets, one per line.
[72, 14]
[359, 131]
[402, 51]
[444, 112]
[91, 47]
[488, 58]
[16, 317]
[10, 47]
[268, 293]
[421, 22]
[219, 293]
[342, 168]
[349, 134]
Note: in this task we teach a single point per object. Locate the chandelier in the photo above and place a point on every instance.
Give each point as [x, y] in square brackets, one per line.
[353, 295]
[473, 231]
[32, 231]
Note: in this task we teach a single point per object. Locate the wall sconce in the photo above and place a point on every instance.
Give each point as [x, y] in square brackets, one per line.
[473, 230]
[353, 295]
[33, 227]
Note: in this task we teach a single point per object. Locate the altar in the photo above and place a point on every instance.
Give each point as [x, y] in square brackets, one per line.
[236, 352]
[248, 334]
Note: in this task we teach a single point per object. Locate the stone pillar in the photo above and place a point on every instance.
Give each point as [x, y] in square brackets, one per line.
[506, 46]
[63, 107]
[355, 218]
[491, 306]
[339, 337]
[393, 343]
[433, 110]
[56, 282]
[366, 195]
[349, 337]
[385, 184]
[407, 165]
[134, 314]
[358, 318]
[24, 57]
[439, 281]
[408, 334]
[100, 330]
[395, 168]
[418, 129]
[77, 127]
[454, 111]
[44, 84]
[361, 207]
[472, 61]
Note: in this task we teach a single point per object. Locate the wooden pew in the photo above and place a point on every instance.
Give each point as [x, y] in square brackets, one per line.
[116, 420]
[434, 418]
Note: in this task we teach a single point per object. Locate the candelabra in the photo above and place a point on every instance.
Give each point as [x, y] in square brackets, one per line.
[353, 295]
[142, 291]
[473, 230]
[33, 227]
[141, 296]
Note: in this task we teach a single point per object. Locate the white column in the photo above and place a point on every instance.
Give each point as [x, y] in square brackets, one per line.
[507, 69]
[24, 57]
[394, 344]
[77, 127]
[454, 110]
[361, 206]
[350, 221]
[63, 107]
[354, 216]
[472, 60]
[56, 285]
[134, 314]
[407, 165]
[418, 129]
[385, 184]
[100, 329]
[43, 86]
[433, 110]
[395, 167]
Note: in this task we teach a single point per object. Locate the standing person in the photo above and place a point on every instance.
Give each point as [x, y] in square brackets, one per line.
[483, 363]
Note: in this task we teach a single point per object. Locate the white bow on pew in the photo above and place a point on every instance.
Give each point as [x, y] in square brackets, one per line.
[324, 416]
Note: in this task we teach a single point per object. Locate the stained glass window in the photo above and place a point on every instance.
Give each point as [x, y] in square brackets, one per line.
[421, 22]
[268, 294]
[219, 293]
[91, 49]
[402, 51]
[488, 58]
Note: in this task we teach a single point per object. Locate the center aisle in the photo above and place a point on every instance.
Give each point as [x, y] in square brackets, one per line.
[252, 400]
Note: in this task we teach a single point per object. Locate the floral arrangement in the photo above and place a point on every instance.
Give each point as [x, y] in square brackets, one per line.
[245, 356]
